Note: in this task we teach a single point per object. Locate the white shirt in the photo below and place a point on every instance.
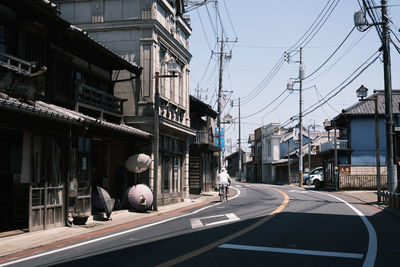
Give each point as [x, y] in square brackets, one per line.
[223, 178]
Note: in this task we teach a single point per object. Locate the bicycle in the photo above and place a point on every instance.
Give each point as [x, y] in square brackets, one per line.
[223, 193]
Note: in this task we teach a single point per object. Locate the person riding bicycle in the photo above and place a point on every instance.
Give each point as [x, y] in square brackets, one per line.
[224, 180]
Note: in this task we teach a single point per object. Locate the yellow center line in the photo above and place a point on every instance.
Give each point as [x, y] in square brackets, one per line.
[229, 237]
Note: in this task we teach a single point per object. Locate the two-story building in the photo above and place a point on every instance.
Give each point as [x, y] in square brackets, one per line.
[270, 139]
[61, 128]
[150, 33]
[203, 150]
[356, 143]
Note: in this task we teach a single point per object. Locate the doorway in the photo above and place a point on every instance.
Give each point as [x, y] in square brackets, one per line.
[13, 194]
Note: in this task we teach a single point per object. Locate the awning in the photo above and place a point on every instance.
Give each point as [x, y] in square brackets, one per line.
[53, 112]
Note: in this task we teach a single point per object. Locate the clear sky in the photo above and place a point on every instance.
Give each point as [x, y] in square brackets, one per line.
[265, 30]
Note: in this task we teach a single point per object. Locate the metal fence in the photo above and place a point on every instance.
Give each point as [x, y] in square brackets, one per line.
[361, 182]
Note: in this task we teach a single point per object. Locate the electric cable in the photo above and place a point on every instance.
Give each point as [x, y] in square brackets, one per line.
[212, 24]
[316, 105]
[352, 46]
[334, 52]
[229, 17]
[323, 23]
[261, 86]
[204, 31]
[255, 113]
[326, 100]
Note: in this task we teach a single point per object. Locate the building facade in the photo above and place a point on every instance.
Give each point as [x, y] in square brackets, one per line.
[61, 125]
[150, 33]
[203, 150]
[270, 139]
[356, 143]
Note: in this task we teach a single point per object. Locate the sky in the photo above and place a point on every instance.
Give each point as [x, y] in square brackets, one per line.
[257, 74]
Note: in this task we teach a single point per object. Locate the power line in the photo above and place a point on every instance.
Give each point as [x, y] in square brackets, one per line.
[320, 27]
[229, 17]
[212, 24]
[319, 15]
[363, 34]
[347, 84]
[255, 113]
[204, 31]
[328, 97]
[334, 52]
[280, 103]
[264, 83]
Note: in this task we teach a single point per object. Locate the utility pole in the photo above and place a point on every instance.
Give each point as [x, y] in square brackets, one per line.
[221, 67]
[240, 149]
[309, 149]
[301, 76]
[392, 179]
[221, 63]
[288, 149]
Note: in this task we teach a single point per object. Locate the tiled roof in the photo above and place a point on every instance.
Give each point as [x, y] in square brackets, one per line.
[50, 111]
[367, 106]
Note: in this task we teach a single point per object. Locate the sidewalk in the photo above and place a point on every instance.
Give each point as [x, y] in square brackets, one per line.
[120, 219]
[368, 197]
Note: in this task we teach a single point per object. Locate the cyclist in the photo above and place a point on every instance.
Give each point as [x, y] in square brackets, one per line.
[224, 181]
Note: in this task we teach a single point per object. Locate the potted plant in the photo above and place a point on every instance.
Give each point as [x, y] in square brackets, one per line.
[79, 218]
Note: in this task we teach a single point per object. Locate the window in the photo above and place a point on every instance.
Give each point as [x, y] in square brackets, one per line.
[180, 90]
[47, 160]
[269, 148]
[172, 89]
[162, 70]
[8, 39]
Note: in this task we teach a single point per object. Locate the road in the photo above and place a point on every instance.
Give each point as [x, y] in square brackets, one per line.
[261, 225]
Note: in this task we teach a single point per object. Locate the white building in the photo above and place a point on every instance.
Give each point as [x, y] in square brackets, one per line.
[270, 139]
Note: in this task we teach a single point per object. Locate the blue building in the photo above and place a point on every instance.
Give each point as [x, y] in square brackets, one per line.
[356, 145]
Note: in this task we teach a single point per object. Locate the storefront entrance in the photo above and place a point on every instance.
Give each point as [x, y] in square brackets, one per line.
[13, 194]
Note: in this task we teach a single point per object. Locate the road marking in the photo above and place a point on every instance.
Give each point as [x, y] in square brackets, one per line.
[197, 222]
[298, 191]
[229, 237]
[372, 244]
[295, 251]
[111, 236]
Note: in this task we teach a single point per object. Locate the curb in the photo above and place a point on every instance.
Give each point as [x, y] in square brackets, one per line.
[100, 229]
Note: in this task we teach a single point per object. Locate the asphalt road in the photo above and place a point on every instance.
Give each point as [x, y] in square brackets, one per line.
[261, 225]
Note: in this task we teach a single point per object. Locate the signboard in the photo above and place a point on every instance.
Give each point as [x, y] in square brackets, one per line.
[222, 141]
[217, 132]
[296, 134]
[345, 169]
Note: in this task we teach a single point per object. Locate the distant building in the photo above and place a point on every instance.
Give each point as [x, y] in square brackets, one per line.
[203, 149]
[270, 140]
[233, 163]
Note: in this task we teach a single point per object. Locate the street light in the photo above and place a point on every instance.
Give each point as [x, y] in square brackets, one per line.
[172, 67]
[361, 93]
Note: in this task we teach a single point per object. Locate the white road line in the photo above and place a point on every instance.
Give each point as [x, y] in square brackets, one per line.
[295, 251]
[298, 191]
[372, 244]
[197, 222]
[111, 236]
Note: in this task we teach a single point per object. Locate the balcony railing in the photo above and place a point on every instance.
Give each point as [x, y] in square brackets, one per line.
[340, 144]
[100, 99]
[203, 137]
[15, 64]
